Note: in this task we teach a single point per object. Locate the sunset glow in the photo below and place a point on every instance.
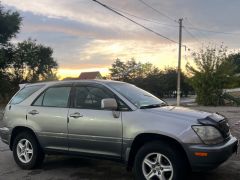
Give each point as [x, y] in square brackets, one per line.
[87, 37]
[63, 73]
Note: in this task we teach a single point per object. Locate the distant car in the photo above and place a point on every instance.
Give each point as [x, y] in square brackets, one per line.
[114, 120]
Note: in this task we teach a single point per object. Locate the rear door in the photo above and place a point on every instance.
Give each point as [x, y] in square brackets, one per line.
[48, 117]
[93, 130]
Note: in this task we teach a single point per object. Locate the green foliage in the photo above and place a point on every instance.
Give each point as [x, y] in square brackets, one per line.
[32, 62]
[130, 70]
[232, 99]
[118, 70]
[24, 62]
[10, 25]
[235, 59]
[149, 77]
[211, 73]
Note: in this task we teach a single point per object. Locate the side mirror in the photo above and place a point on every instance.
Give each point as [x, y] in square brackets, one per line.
[109, 104]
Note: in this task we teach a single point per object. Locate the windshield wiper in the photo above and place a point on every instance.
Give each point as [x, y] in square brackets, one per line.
[153, 106]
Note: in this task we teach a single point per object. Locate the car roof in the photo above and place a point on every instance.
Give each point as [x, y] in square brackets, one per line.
[48, 83]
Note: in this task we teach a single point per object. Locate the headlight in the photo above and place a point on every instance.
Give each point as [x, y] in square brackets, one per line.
[208, 134]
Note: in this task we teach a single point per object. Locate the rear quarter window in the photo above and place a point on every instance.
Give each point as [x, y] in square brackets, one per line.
[25, 93]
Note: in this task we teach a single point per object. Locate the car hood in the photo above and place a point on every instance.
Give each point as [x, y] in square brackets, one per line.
[179, 112]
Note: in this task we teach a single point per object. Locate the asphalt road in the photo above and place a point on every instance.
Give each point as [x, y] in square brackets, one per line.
[65, 167]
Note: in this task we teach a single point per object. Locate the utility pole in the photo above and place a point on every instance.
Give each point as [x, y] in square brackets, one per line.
[179, 63]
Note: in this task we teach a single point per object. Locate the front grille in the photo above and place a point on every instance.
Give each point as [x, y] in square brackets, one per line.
[224, 128]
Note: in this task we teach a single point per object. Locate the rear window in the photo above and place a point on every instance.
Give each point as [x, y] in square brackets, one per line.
[25, 93]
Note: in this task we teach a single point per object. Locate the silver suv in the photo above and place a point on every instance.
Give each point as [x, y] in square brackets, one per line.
[114, 120]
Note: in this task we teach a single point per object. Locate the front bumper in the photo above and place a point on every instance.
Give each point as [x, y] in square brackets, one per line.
[5, 134]
[216, 154]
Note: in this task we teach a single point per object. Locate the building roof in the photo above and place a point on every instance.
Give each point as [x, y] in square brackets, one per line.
[90, 75]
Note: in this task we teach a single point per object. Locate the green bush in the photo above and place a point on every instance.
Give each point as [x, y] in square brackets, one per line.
[211, 73]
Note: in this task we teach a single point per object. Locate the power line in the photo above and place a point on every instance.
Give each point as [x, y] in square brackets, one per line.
[179, 43]
[191, 24]
[159, 12]
[120, 14]
[145, 19]
[146, 28]
[211, 31]
[194, 37]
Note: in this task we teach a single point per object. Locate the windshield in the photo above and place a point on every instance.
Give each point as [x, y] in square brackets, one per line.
[139, 97]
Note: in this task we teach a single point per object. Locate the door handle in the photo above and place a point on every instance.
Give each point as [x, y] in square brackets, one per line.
[33, 112]
[76, 115]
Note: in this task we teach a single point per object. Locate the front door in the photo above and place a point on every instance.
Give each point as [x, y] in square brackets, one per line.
[48, 117]
[93, 130]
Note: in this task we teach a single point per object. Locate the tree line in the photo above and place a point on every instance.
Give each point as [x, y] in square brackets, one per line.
[212, 70]
[162, 83]
[22, 62]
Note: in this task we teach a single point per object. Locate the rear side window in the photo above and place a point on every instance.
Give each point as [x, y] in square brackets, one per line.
[54, 97]
[25, 93]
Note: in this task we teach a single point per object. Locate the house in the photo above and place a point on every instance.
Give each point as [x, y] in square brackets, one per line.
[90, 75]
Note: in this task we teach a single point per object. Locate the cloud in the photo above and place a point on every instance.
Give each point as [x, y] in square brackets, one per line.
[102, 53]
[76, 10]
[39, 23]
[85, 35]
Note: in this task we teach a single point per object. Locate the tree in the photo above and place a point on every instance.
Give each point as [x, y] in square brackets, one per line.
[149, 77]
[211, 73]
[10, 24]
[9, 27]
[24, 62]
[32, 62]
[170, 82]
[126, 71]
[118, 70]
[235, 59]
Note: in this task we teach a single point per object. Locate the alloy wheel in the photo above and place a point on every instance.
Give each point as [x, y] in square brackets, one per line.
[24, 151]
[157, 166]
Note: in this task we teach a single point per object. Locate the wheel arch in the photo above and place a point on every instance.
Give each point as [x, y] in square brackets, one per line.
[144, 138]
[18, 129]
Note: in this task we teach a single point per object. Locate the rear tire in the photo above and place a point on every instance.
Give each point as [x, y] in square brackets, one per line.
[157, 159]
[26, 151]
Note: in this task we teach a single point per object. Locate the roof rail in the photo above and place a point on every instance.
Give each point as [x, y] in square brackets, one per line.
[22, 85]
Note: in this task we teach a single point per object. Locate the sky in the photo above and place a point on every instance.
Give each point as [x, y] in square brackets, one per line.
[87, 37]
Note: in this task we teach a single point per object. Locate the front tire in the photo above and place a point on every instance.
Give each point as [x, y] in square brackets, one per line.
[159, 160]
[26, 151]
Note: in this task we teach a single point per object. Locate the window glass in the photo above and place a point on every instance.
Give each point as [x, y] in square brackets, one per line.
[122, 106]
[38, 102]
[137, 96]
[56, 97]
[90, 97]
[25, 93]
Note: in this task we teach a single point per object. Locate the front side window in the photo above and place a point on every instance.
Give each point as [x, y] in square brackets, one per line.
[54, 97]
[25, 93]
[139, 97]
[89, 97]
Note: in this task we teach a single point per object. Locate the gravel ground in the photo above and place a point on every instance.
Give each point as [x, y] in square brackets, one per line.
[64, 167]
